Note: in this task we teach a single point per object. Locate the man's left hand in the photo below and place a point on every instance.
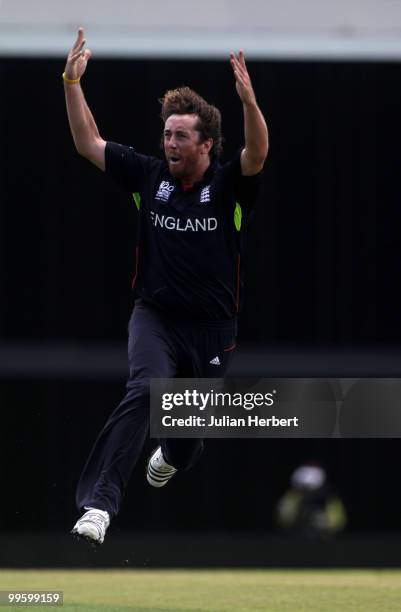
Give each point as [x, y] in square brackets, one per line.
[242, 79]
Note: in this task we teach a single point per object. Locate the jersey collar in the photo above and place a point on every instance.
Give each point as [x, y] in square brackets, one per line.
[210, 171]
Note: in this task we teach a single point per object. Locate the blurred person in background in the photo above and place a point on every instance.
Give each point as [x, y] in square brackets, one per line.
[310, 507]
[187, 286]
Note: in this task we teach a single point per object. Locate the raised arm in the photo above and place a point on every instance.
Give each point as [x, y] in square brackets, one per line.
[84, 131]
[256, 135]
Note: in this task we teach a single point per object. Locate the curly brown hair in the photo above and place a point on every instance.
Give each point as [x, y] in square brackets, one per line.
[183, 101]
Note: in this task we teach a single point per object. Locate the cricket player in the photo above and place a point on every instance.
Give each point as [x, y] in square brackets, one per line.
[188, 279]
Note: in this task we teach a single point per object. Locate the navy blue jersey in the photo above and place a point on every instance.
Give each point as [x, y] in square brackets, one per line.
[190, 242]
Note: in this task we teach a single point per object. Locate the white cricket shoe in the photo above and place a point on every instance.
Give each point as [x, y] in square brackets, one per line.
[92, 526]
[159, 472]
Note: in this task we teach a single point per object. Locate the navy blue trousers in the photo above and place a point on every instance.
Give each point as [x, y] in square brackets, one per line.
[158, 347]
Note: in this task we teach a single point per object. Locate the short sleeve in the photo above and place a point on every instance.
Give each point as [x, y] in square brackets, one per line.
[246, 188]
[128, 168]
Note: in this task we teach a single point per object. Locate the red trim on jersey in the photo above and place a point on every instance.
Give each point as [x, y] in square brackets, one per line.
[136, 266]
[230, 348]
[238, 283]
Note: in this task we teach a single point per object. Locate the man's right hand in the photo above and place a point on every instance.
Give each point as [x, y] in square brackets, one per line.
[87, 139]
[77, 58]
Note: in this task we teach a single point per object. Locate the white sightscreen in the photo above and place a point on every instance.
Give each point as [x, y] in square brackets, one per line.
[205, 28]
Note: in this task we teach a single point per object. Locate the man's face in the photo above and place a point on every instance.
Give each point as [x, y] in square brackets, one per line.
[184, 153]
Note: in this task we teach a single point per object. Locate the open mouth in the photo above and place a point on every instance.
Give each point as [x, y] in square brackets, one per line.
[174, 159]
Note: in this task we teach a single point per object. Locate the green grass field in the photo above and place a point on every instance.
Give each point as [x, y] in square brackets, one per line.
[213, 590]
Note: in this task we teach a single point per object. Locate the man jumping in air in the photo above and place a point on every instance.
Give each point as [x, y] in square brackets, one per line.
[192, 215]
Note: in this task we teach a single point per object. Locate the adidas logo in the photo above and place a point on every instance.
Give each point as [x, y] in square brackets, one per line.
[215, 361]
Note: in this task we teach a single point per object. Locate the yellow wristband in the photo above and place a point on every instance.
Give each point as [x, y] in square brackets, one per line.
[70, 81]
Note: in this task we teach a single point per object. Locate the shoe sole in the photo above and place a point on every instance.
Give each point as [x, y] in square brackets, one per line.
[79, 537]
